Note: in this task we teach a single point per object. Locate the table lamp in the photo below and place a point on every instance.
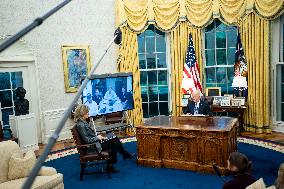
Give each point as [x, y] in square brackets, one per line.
[240, 83]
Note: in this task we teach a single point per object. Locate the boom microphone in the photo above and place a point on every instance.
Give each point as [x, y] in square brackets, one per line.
[218, 172]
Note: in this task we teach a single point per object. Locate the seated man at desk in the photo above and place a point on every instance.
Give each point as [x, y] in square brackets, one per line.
[197, 106]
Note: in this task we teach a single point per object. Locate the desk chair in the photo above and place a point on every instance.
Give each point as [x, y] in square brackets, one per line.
[89, 159]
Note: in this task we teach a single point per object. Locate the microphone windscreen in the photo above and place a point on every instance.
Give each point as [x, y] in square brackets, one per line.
[118, 35]
[217, 170]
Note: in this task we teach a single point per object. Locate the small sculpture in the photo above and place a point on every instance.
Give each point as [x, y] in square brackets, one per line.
[21, 104]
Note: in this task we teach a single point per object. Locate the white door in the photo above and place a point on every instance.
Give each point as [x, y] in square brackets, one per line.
[10, 79]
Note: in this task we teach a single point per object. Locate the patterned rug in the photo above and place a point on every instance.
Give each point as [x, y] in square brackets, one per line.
[279, 147]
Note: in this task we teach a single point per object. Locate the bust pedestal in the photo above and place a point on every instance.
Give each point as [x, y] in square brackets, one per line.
[24, 128]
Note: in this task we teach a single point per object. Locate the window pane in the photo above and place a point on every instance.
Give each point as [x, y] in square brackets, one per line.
[282, 74]
[282, 92]
[163, 93]
[230, 89]
[150, 44]
[210, 27]
[230, 76]
[223, 88]
[153, 109]
[232, 38]
[210, 75]
[6, 98]
[221, 75]
[152, 77]
[220, 26]
[282, 112]
[5, 80]
[164, 109]
[145, 109]
[151, 62]
[142, 62]
[220, 39]
[209, 40]
[162, 74]
[5, 115]
[143, 78]
[160, 44]
[231, 56]
[221, 57]
[210, 57]
[17, 80]
[161, 60]
[150, 31]
[153, 94]
[141, 43]
[144, 94]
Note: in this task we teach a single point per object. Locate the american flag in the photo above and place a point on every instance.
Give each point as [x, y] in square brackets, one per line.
[190, 78]
[240, 68]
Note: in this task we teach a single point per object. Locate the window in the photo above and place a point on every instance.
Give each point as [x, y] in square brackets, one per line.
[153, 72]
[220, 46]
[279, 69]
[10, 81]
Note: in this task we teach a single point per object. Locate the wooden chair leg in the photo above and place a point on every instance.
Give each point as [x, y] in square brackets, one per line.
[83, 167]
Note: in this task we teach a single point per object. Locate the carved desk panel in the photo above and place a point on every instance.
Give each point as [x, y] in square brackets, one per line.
[186, 142]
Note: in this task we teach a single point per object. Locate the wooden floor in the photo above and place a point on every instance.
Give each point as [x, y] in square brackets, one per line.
[274, 136]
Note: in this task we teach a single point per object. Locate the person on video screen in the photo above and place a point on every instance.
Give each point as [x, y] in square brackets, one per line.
[94, 109]
[97, 97]
[126, 98]
[110, 94]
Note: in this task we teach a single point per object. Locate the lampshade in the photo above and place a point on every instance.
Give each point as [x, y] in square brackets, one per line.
[240, 81]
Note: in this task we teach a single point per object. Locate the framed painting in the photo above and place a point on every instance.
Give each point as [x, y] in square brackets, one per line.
[76, 63]
[213, 91]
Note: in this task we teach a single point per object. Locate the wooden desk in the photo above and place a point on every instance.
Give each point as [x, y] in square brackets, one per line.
[238, 109]
[186, 142]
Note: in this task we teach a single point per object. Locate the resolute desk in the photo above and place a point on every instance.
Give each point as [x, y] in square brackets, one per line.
[186, 142]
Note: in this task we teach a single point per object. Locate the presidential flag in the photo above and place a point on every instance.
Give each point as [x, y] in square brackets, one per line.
[190, 78]
[240, 67]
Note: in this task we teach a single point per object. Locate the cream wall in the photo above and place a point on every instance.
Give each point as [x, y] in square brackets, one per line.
[90, 22]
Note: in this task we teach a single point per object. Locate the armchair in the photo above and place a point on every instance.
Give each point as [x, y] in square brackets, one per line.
[48, 177]
[88, 159]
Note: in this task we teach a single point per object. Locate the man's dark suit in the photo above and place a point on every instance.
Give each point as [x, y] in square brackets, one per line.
[203, 108]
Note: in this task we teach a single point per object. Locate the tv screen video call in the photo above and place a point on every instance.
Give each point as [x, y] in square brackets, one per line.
[108, 93]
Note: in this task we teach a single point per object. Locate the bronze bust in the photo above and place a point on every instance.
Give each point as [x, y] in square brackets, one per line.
[21, 104]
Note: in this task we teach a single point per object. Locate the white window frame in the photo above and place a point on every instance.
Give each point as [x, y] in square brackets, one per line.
[276, 59]
[168, 63]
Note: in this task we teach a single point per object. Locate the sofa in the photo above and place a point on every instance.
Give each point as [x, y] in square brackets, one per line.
[15, 167]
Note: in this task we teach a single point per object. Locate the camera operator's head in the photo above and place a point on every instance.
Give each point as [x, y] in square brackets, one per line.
[239, 162]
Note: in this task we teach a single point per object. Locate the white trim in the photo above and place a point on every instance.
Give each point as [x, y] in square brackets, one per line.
[19, 55]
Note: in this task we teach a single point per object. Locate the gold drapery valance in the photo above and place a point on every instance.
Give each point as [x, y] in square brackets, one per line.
[199, 13]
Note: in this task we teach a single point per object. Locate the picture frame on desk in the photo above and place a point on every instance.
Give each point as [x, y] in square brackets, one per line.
[184, 102]
[187, 96]
[217, 100]
[241, 99]
[213, 91]
[236, 102]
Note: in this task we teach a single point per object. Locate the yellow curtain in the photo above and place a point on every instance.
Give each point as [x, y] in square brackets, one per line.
[168, 13]
[179, 44]
[255, 39]
[128, 62]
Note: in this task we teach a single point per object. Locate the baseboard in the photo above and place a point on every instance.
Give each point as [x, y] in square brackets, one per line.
[278, 128]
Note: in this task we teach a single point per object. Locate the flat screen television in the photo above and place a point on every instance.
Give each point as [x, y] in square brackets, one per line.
[108, 93]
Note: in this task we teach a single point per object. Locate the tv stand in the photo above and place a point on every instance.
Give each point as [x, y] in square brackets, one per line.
[114, 123]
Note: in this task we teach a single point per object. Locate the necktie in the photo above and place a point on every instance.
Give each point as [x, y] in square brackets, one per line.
[195, 109]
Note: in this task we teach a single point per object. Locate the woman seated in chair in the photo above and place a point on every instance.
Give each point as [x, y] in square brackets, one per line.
[89, 136]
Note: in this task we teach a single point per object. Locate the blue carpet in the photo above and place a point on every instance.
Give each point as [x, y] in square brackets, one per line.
[266, 163]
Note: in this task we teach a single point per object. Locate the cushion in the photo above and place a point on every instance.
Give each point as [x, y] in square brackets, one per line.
[41, 182]
[7, 148]
[20, 166]
[259, 184]
[47, 171]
